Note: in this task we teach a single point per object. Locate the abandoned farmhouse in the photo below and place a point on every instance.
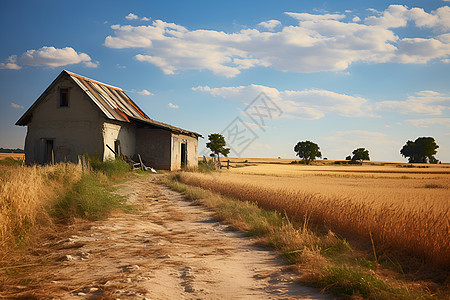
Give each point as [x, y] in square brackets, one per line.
[77, 115]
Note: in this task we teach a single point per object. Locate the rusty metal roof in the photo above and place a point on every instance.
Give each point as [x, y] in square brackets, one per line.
[112, 101]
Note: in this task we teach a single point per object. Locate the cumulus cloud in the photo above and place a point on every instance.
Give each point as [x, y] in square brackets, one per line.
[419, 50]
[270, 25]
[399, 15]
[131, 16]
[305, 104]
[429, 122]
[14, 105]
[356, 19]
[424, 102]
[145, 93]
[11, 63]
[171, 105]
[52, 57]
[319, 42]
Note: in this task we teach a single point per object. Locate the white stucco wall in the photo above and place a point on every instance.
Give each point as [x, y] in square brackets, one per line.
[125, 133]
[192, 151]
[74, 130]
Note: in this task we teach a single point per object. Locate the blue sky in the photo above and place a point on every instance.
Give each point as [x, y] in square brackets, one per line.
[343, 74]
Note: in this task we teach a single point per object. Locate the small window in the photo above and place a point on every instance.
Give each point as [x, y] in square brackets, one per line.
[63, 97]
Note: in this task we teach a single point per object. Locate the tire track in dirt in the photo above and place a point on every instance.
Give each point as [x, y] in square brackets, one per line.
[167, 249]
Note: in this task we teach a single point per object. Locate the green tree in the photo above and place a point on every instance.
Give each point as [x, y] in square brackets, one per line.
[422, 150]
[307, 150]
[360, 154]
[217, 144]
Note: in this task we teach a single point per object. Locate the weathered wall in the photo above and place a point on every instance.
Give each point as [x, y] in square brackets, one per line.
[125, 133]
[154, 147]
[192, 151]
[74, 129]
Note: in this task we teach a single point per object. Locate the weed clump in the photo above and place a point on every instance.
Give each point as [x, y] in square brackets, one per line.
[111, 168]
[88, 199]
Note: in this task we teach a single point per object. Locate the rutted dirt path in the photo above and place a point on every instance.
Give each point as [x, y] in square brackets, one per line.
[167, 249]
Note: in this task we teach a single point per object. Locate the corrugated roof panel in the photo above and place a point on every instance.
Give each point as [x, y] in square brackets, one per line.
[86, 90]
[90, 86]
[116, 104]
[104, 96]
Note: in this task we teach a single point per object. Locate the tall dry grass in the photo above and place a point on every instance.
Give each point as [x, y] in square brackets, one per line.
[25, 192]
[421, 232]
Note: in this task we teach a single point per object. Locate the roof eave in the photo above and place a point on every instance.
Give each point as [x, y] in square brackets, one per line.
[167, 127]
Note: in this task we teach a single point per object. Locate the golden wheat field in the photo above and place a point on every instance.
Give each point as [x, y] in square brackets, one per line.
[404, 209]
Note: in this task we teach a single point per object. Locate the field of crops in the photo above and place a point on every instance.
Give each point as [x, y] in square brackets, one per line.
[12, 155]
[400, 208]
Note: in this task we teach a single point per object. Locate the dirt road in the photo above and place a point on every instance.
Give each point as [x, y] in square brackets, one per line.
[167, 249]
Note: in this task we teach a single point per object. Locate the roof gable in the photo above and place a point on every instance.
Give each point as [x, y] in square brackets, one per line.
[112, 101]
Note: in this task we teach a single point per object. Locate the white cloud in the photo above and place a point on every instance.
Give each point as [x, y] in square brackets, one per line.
[399, 15]
[91, 64]
[54, 57]
[418, 50]
[145, 93]
[14, 105]
[270, 25]
[320, 42]
[11, 63]
[311, 17]
[131, 16]
[171, 105]
[305, 104]
[424, 102]
[428, 122]
[356, 19]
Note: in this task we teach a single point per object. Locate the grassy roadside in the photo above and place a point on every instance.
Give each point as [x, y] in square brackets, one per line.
[322, 259]
[34, 199]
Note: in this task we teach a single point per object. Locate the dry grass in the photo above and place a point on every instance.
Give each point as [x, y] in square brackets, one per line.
[24, 194]
[401, 215]
[12, 155]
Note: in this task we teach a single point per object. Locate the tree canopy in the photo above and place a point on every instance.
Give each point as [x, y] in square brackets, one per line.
[217, 144]
[360, 154]
[422, 150]
[307, 150]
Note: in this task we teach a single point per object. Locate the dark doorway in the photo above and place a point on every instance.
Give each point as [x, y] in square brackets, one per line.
[183, 155]
[117, 148]
[49, 155]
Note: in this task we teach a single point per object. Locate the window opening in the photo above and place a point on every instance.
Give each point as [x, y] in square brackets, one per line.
[63, 97]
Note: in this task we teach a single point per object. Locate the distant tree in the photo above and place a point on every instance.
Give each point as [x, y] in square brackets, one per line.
[422, 150]
[348, 157]
[217, 144]
[360, 154]
[307, 150]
